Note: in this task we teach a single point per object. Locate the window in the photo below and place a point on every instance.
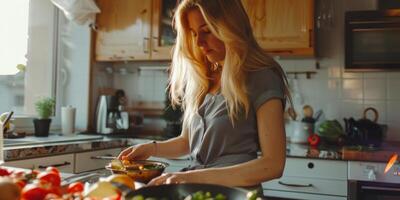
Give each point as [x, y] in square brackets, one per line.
[28, 30]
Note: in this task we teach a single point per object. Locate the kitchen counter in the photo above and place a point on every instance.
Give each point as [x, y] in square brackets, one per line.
[346, 153]
[33, 147]
[56, 145]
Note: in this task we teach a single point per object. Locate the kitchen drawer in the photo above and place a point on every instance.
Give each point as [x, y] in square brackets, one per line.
[64, 163]
[87, 161]
[308, 185]
[301, 196]
[312, 168]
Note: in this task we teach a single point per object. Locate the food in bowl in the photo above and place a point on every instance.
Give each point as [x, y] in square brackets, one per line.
[139, 170]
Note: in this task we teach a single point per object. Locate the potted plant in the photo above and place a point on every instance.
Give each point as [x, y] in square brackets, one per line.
[173, 117]
[44, 108]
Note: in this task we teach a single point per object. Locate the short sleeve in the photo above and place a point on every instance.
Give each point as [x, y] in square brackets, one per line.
[263, 85]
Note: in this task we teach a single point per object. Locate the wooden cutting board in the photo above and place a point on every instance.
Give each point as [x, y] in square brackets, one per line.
[380, 155]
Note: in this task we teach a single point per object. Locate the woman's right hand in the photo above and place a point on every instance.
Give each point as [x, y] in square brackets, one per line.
[138, 152]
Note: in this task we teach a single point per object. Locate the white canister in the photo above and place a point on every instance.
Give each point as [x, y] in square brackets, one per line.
[68, 120]
[301, 131]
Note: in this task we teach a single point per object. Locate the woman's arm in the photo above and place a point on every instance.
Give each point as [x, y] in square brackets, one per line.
[269, 166]
[171, 148]
[174, 147]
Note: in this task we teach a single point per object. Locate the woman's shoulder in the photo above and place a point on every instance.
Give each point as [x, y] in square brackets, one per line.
[263, 76]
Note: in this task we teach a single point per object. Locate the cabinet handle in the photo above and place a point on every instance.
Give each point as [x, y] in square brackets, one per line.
[154, 47]
[178, 159]
[295, 185]
[55, 165]
[146, 45]
[104, 157]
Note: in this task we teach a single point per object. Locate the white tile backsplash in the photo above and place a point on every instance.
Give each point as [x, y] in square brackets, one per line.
[374, 89]
[393, 89]
[352, 89]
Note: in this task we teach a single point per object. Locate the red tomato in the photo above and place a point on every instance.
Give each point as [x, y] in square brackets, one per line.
[34, 192]
[314, 139]
[53, 169]
[55, 190]
[20, 183]
[50, 177]
[4, 172]
[75, 187]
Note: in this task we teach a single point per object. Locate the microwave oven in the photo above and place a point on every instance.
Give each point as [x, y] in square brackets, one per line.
[372, 40]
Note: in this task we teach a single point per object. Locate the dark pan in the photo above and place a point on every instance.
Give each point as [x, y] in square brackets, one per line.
[180, 191]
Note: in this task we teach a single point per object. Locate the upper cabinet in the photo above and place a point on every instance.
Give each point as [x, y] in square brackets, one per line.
[283, 27]
[134, 30]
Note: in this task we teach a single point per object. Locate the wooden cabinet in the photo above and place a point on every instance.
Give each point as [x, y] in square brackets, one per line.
[283, 27]
[134, 30]
[64, 163]
[310, 179]
[89, 161]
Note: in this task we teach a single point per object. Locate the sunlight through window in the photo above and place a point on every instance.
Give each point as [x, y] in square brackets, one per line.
[13, 36]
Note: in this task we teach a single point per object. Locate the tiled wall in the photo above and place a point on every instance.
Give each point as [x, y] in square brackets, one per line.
[339, 94]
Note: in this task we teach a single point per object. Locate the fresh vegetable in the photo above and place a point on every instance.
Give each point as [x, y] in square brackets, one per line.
[50, 177]
[330, 131]
[4, 172]
[313, 139]
[75, 187]
[34, 192]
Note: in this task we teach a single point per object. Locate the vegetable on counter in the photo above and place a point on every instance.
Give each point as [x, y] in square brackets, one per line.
[314, 140]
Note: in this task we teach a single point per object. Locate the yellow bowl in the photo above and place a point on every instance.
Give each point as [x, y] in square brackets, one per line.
[140, 170]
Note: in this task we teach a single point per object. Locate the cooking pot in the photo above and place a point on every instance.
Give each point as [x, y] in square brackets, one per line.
[180, 191]
[365, 131]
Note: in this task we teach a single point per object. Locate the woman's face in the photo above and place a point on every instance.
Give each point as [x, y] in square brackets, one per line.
[211, 46]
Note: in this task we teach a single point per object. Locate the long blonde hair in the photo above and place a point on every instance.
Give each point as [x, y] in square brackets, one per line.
[189, 82]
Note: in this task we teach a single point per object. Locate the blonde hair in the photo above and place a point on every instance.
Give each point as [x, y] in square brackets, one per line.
[189, 82]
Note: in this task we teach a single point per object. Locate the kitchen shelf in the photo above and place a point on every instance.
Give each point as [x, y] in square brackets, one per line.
[307, 73]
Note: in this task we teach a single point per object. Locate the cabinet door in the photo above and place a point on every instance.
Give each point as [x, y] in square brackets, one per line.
[163, 35]
[123, 30]
[88, 161]
[64, 163]
[282, 26]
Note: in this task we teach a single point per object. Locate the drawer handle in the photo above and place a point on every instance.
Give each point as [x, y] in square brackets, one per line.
[295, 185]
[55, 165]
[103, 157]
[178, 159]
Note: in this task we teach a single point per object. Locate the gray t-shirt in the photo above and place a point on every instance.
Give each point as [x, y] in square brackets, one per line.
[214, 141]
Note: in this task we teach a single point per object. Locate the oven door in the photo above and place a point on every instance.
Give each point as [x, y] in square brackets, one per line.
[364, 190]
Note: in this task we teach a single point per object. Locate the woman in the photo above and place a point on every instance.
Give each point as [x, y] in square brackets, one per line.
[233, 96]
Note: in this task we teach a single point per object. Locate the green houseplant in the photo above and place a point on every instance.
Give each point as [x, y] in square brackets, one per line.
[44, 108]
[173, 117]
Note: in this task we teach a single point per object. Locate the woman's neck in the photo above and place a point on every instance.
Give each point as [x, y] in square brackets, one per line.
[214, 82]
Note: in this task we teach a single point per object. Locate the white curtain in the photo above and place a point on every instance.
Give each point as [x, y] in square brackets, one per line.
[13, 35]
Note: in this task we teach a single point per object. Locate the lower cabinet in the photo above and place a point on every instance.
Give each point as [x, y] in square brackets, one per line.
[89, 161]
[310, 179]
[64, 163]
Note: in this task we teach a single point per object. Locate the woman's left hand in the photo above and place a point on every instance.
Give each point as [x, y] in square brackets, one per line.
[172, 178]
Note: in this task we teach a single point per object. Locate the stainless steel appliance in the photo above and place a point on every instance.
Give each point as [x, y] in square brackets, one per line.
[367, 180]
[109, 116]
[372, 40]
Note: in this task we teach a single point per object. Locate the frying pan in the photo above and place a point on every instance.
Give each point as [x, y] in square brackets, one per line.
[180, 191]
